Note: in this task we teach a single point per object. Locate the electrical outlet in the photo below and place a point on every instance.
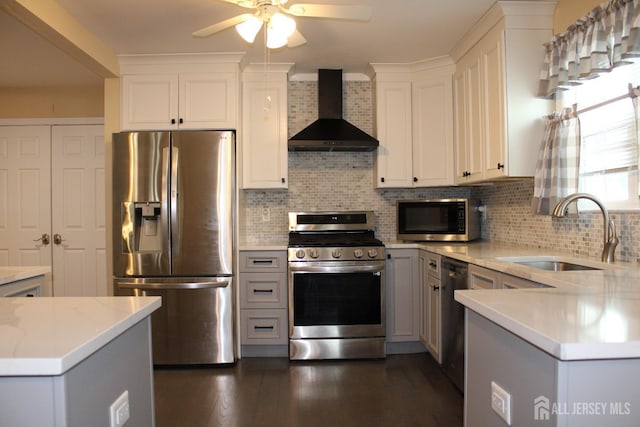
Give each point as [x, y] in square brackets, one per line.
[501, 402]
[266, 214]
[119, 410]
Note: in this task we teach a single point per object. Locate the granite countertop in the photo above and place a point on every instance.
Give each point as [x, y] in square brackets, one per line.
[589, 314]
[15, 273]
[49, 336]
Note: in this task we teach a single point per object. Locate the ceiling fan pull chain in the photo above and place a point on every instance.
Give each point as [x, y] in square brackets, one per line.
[267, 61]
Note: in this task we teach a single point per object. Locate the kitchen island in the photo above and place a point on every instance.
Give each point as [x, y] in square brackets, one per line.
[563, 355]
[24, 281]
[64, 361]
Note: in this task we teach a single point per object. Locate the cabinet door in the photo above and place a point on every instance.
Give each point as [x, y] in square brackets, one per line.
[469, 117]
[432, 133]
[433, 334]
[264, 134]
[461, 129]
[207, 101]
[475, 119]
[508, 281]
[403, 304]
[394, 155]
[149, 102]
[425, 312]
[493, 104]
[482, 278]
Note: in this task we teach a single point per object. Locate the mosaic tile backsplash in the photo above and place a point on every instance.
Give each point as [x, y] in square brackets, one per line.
[344, 181]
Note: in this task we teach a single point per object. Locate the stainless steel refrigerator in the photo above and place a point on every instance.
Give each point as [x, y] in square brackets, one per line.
[173, 217]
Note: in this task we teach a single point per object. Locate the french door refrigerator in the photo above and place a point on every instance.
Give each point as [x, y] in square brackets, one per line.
[173, 216]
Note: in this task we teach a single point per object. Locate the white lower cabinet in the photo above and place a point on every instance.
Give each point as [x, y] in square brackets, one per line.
[403, 289]
[431, 313]
[486, 278]
[32, 287]
[482, 278]
[263, 302]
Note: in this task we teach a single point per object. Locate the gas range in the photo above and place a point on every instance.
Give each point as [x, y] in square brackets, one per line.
[336, 286]
[333, 236]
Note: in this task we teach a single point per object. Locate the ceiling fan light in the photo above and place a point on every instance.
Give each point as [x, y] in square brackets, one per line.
[249, 29]
[275, 40]
[279, 28]
[283, 24]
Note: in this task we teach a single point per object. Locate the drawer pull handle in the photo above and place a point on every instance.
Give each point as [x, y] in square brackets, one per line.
[263, 291]
[262, 261]
[269, 328]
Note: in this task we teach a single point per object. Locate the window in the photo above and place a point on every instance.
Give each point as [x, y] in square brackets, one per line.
[609, 145]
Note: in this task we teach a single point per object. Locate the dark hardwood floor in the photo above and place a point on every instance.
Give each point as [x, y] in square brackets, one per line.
[402, 390]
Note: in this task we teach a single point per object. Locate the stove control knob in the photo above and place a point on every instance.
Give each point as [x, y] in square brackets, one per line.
[358, 253]
[336, 253]
[372, 253]
[313, 253]
[300, 253]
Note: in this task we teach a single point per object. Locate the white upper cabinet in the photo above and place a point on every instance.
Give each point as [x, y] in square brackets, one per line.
[499, 120]
[161, 92]
[264, 126]
[414, 119]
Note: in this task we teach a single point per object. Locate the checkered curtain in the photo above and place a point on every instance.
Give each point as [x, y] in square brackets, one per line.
[556, 173]
[607, 37]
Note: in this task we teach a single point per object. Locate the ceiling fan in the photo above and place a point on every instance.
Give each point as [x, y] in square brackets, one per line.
[279, 25]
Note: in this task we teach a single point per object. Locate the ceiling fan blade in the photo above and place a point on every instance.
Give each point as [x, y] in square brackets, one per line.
[242, 3]
[296, 39]
[357, 13]
[222, 25]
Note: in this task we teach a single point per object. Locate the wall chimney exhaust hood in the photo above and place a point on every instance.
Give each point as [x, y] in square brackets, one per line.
[331, 132]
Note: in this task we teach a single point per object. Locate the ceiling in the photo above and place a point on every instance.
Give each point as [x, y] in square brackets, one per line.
[399, 31]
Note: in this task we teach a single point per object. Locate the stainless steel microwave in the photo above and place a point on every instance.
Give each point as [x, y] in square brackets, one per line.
[447, 220]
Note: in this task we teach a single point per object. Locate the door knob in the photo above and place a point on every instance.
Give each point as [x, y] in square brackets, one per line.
[44, 239]
[57, 239]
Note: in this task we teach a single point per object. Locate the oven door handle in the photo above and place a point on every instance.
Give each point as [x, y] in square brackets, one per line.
[331, 267]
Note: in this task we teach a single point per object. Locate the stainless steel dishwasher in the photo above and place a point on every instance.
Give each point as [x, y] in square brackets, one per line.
[454, 276]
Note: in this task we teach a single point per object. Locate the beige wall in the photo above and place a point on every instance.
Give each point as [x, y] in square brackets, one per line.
[568, 11]
[52, 102]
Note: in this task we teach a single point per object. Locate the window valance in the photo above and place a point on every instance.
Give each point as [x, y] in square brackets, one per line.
[607, 37]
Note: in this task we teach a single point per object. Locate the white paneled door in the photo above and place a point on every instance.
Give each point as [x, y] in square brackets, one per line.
[25, 195]
[65, 189]
[78, 211]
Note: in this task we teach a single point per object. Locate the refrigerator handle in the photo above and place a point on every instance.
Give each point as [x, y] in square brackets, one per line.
[194, 284]
[174, 198]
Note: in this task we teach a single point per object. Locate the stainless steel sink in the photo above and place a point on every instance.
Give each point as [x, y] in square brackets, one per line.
[553, 265]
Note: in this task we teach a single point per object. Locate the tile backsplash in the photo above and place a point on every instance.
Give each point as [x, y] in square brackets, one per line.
[344, 181]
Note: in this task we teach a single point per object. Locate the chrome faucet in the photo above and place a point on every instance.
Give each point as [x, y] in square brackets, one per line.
[610, 238]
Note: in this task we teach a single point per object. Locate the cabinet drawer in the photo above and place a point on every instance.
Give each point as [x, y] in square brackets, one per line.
[263, 290]
[433, 264]
[24, 288]
[263, 327]
[263, 261]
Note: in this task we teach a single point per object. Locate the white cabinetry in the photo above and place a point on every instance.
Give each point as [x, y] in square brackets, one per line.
[483, 278]
[32, 287]
[507, 281]
[263, 300]
[403, 290]
[430, 313]
[498, 118]
[414, 119]
[264, 126]
[160, 92]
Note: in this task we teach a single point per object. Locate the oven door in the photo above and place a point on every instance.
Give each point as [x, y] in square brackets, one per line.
[336, 299]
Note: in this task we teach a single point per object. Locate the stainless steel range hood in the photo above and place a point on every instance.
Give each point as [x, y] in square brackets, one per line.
[331, 132]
